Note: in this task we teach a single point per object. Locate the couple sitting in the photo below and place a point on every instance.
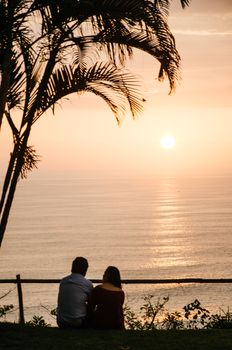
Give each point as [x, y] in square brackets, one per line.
[81, 306]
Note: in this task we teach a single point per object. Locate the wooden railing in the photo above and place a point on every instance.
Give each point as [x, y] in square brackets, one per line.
[19, 281]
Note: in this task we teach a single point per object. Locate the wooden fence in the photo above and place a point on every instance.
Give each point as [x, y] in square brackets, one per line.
[19, 281]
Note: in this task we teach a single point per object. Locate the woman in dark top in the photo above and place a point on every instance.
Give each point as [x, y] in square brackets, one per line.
[107, 301]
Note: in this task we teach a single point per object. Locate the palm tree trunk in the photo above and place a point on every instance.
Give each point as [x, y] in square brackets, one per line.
[8, 177]
[8, 203]
[13, 180]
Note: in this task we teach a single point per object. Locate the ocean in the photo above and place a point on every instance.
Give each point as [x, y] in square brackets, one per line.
[148, 227]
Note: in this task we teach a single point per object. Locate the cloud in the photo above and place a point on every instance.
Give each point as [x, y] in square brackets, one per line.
[222, 7]
[202, 32]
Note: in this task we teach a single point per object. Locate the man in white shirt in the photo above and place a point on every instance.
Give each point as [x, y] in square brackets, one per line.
[73, 297]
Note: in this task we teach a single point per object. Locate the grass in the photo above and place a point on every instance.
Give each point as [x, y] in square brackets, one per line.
[14, 336]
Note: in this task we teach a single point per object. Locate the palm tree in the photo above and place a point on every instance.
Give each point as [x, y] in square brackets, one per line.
[117, 87]
[42, 63]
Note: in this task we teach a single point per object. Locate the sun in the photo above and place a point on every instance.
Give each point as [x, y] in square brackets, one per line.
[167, 142]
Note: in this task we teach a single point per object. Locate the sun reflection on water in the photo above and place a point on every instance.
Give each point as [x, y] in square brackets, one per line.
[171, 244]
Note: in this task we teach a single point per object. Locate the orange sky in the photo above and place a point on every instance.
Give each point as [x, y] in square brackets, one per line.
[83, 137]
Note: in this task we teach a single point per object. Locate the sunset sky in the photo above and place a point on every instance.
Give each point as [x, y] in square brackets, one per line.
[83, 136]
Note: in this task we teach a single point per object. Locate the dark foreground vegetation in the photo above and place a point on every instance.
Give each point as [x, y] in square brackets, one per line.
[151, 328]
[15, 336]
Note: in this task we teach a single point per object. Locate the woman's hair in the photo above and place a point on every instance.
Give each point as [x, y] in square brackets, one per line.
[112, 275]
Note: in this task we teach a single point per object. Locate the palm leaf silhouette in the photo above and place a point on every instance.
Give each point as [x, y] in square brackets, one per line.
[118, 89]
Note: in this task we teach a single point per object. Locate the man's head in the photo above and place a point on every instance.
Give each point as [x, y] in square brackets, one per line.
[80, 265]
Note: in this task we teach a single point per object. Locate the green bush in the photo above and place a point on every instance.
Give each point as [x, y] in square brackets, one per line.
[196, 316]
[172, 321]
[5, 309]
[223, 321]
[153, 315]
[38, 321]
[147, 318]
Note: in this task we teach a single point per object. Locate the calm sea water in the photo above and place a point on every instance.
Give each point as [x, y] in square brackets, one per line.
[149, 228]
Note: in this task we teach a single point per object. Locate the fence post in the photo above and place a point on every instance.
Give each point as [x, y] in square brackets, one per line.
[20, 298]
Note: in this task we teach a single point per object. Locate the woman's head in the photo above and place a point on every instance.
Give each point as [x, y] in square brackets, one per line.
[112, 275]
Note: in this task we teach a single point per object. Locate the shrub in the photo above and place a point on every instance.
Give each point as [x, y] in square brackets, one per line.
[5, 309]
[38, 321]
[147, 318]
[153, 316]
[223, 320]
[173, 320]
[196, 316]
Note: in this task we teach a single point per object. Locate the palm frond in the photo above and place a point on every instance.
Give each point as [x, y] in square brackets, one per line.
[185, 3]
[164, 5]
[17, 82]
[117, 88]
[84, 51]
[169, 59]
[141, 25]
[30, 161]
[30, 61]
